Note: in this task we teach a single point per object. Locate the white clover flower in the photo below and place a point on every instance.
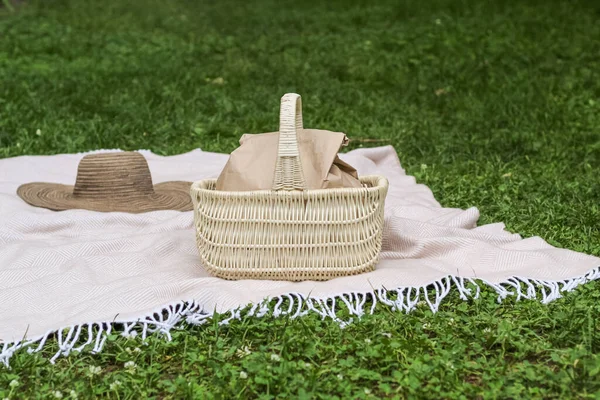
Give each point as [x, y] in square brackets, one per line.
[137, 350]
[14, 383]
[38, 132]
[275, 357]
[486, 330]
[128, 350]
[115, 385]
[243, 352]
[367, 341]
[340, 376]
[57, 394]
[73, 394]
[307, 365]
[367, 391]
[386, 334]
[243, 375]
[426, 325]
[130, 365]
[95, 370]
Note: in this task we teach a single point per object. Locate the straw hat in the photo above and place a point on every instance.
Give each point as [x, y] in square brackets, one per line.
[110, 182]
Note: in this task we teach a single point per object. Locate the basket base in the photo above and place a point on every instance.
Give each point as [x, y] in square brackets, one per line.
[285, 275]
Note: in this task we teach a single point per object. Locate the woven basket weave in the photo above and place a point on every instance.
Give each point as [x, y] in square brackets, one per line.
[289, 233]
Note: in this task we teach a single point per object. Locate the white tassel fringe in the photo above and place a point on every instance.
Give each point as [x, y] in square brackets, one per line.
[77, 338]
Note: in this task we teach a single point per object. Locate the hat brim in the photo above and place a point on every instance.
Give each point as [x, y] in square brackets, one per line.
[173, 195]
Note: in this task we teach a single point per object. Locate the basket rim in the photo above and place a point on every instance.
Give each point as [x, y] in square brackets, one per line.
[380, 182]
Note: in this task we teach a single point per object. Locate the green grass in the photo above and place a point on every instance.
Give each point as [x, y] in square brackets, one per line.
[494, 104]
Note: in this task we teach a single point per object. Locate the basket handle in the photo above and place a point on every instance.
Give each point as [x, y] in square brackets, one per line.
[288, 169]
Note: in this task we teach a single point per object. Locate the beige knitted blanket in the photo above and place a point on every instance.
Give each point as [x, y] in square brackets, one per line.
[73, 276]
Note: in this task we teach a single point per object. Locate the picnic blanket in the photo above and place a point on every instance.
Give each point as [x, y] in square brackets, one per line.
[73, 276]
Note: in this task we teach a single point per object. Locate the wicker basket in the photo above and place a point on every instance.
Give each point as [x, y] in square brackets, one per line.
[289, 233]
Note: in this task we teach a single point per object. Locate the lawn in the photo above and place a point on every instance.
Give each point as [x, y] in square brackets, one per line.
[494, 104]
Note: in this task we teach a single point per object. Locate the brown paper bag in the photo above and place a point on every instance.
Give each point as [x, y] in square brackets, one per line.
[252, 165]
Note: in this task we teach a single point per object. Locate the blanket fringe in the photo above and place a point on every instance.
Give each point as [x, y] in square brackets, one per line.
[76, 338]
